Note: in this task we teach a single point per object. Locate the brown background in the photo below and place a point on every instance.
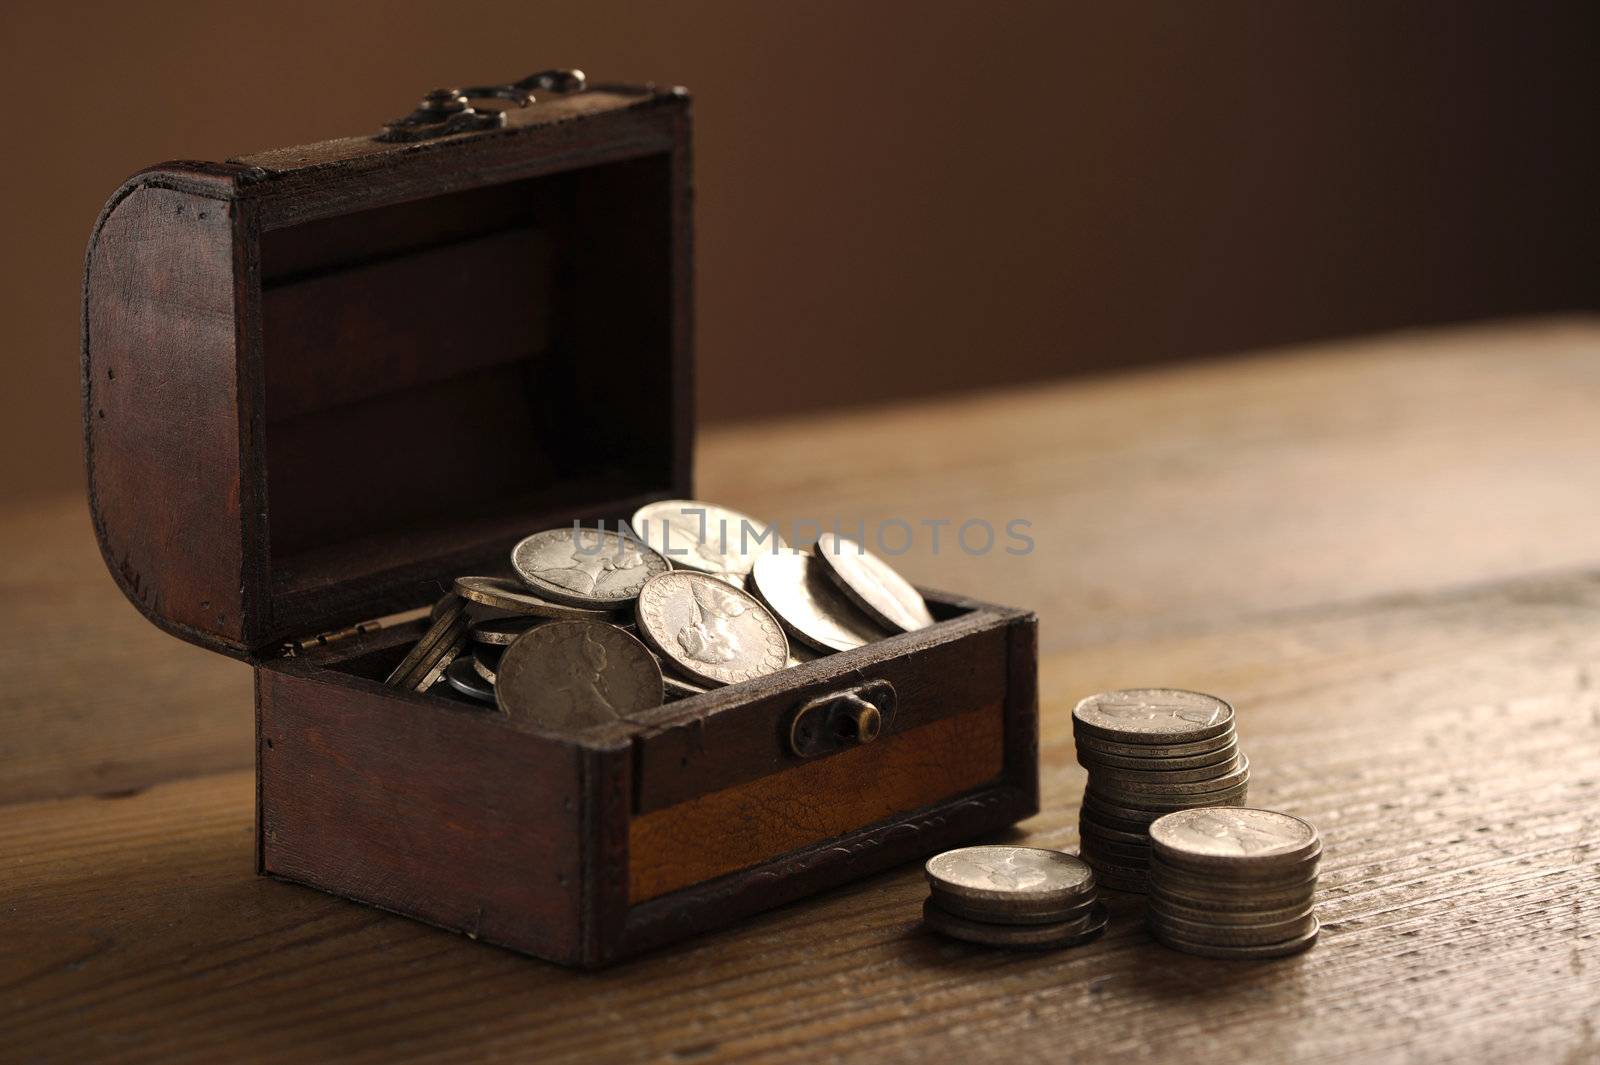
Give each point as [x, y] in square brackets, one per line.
[898, 198]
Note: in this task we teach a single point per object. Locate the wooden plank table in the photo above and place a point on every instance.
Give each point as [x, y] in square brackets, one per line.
[1385, 553]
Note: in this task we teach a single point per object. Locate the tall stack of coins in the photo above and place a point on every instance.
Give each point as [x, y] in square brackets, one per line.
[599, 623]
[1150, 751]
[1233, 882]
[1012, 897]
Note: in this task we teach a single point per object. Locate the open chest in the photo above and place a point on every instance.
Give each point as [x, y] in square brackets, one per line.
[320, 382]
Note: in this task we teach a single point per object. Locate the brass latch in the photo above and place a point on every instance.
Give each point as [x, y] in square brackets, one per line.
[446, 111]
[838, 720]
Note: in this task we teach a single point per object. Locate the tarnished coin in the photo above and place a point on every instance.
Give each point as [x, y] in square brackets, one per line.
[1089, 825]
[1152, 715]
[1150, 807]
[678, 688]
[706, 538]
[872, 584]
[1094, 746]
[1158, 778]
[1204, 915]
[1016, 875]
[810, 605]
[594, 568]
[1099, 761]
[1034, 937]
[1241, 935]
[465, 679]
[710, 631]
[486, 659]
[433, 666]
[503, 631]
[1127, 784]
[449, 624]
[1215, 950]
[510, 596]
[1221, 901]
[993, 913]
[1234, 838]
[572, 675]
[1303, 874]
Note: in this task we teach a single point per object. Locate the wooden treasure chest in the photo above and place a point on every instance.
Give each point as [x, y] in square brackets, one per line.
[320, 382]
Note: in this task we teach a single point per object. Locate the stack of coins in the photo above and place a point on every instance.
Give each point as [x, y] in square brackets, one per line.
[599, 623]
[1150, 751]
[1233, 882]
[1013, 897]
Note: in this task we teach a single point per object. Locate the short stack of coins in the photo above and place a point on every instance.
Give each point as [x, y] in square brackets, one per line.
[1013, 897]
[1150, 751]
[1233, 882]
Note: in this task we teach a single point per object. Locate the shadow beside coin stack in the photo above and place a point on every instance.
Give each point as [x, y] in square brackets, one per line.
[598, 624]
[1002, 896]
[1149, 752]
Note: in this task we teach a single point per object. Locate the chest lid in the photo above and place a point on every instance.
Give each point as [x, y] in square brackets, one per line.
[317, 381]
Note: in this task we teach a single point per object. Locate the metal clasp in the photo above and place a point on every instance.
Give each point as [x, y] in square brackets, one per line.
[446, 111]
[838, 720]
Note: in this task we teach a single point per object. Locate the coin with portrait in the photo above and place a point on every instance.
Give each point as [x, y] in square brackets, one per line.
[708, 630]
[594, 568]
[570, 675]
[704, 537]
[872, 584]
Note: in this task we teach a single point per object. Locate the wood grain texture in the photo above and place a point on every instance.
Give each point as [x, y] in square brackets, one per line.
[1227, 491]
[1191, 497]
[723, 831]
[1448, 747]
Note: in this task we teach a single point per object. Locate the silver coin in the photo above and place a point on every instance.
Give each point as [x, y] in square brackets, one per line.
[511, 597]
[1095, 746]
[503, 631]
[1152, 715]
[1232, 838]
[1017, 875]
[1094, 760]
[1212, 915]
[810, 605]
[1221, 902]
[449, 621]
[872, 584]
[1036, 937]
[570, 675]
[1093, 826]
[1213, 950]
[678, 688]
[1303, 872]
[710, 632]
[1129, 785]
[1007, 913]
[465, 679]
[1155, 778]
[434, 665]
[706, 538]
[1131, 806]
[1201, 895]
[1115, 849]
[1230, 934]
[593, 568]
[486, 659]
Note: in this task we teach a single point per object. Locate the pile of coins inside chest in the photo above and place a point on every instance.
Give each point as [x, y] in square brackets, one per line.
[1160, 818]
[601, 623]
